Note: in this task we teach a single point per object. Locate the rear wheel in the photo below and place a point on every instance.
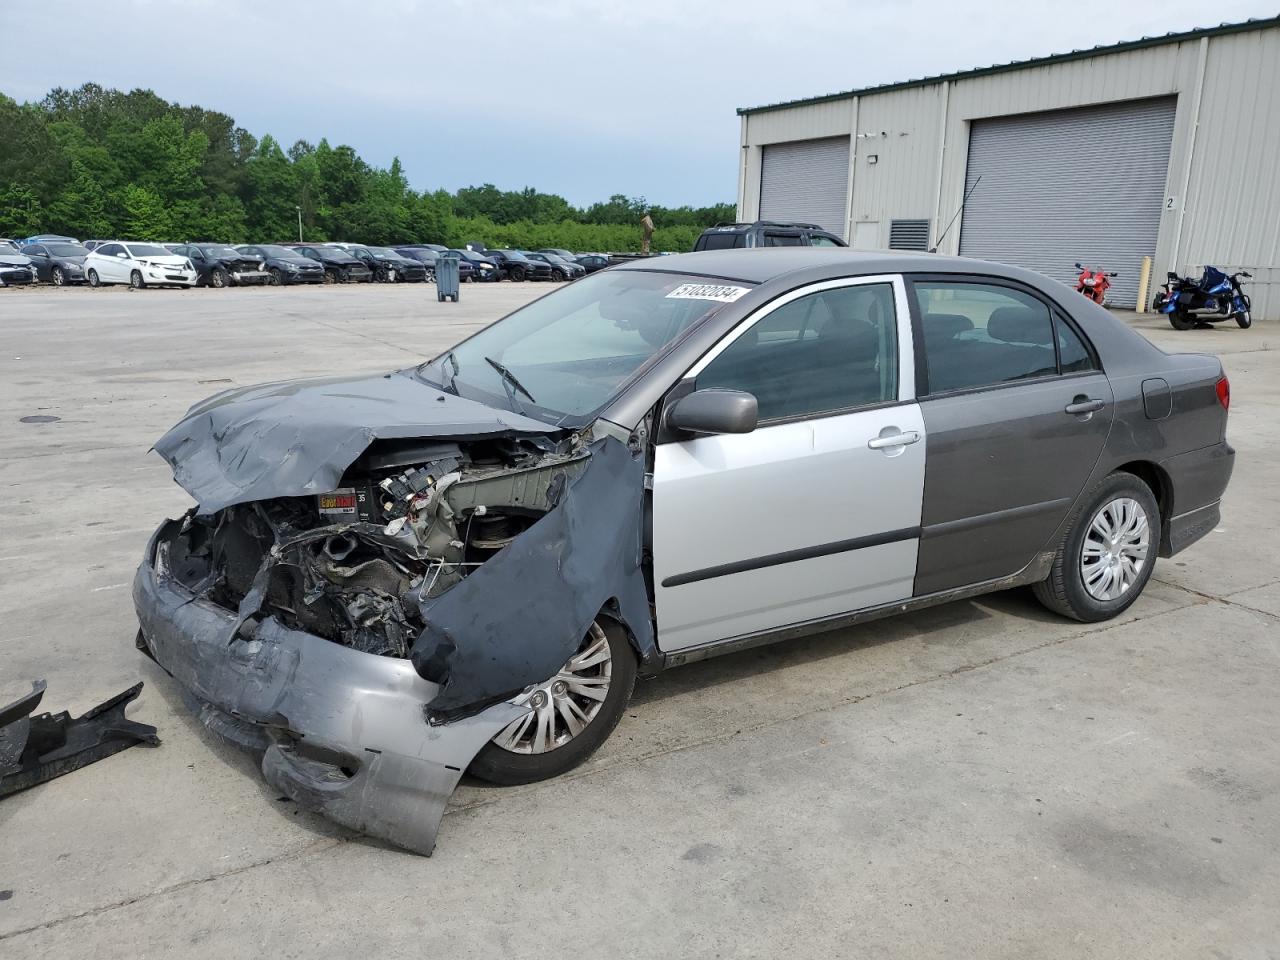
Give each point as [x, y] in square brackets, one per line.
[1108, 553]
[135, 280]
[1181, 320]
[570, 715]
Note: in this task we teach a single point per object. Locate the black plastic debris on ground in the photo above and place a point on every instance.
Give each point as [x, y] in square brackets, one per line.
[36, 749]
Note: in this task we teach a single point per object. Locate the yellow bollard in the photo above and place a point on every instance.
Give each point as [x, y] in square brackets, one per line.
[1144, 282]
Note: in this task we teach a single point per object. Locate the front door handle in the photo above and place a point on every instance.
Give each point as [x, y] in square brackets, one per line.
[1083, 405]
[893, 440]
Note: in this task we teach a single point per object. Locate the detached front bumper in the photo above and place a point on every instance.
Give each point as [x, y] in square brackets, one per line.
[343, 733]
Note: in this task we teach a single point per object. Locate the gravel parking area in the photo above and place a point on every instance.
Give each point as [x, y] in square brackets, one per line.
[978, 779]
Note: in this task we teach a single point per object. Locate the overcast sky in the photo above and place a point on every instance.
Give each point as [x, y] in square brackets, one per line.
[573, 97]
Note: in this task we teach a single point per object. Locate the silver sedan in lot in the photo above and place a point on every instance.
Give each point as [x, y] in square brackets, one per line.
[465, 565]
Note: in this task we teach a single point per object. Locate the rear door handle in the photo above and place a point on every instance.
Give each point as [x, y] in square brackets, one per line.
[893, 440]
[1087, 405]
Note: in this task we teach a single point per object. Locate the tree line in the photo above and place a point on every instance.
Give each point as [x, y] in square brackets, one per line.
[100, 163]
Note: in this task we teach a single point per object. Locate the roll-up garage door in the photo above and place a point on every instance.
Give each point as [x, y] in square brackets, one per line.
[806, 182]
[1072, 185]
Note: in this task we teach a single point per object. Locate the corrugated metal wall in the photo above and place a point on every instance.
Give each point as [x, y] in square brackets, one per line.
[1049, 189]
[1229, 215]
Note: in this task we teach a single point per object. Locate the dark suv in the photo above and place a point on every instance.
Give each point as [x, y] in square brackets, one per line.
[218, 265]
[765, 233]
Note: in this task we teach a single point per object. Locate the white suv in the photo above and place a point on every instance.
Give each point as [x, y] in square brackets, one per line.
[137, 264]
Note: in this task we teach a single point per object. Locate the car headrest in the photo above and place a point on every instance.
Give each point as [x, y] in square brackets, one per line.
[1018, 325]
[850, 334]
[945, 326]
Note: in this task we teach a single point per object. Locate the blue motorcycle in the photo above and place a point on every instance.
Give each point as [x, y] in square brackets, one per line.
[1214, 297]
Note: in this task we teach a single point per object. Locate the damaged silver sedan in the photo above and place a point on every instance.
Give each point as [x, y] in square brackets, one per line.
[464, 566]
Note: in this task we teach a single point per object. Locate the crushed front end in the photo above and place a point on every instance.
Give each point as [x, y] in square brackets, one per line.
[290, 621]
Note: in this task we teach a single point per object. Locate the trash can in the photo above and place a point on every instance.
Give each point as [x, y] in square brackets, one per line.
[447, 276]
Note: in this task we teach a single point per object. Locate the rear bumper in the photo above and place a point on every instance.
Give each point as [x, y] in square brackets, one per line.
[1198, 480]
[341, 732]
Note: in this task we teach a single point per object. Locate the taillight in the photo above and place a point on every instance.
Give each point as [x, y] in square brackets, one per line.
[1224, 393]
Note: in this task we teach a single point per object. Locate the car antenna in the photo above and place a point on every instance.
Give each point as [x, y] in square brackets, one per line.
[968, 193]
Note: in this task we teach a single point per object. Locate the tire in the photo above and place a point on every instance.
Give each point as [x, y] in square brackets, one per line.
[57, 277]
[431, 275]
[92, 277]
[558, 276]
[1181, 320]
[275, 278]
[1087, 591]
[330, 276]
[508, 767]
[135, 280]
[516, 275]
[218, 278]
[1244, 320]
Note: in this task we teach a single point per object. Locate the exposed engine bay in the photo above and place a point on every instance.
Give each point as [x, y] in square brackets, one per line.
[361, 565]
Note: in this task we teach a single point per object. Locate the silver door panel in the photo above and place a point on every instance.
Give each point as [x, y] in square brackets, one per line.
[723, 500]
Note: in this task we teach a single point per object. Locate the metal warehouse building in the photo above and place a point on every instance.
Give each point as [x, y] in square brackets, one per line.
[1164, 147]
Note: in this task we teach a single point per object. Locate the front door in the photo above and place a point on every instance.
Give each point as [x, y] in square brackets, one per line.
[817, 512]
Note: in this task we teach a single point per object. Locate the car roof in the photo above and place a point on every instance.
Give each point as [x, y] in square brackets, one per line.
[761, 264]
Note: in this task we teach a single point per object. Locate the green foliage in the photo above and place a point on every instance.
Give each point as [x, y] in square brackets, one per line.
[94, 162]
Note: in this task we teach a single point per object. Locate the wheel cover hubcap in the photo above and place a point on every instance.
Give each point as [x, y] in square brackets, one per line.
[1115, 550]
[561, 708]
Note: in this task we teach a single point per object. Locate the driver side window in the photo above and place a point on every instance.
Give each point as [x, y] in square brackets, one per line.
[829, 351]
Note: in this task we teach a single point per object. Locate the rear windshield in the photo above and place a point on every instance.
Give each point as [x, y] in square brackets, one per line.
[722, 241]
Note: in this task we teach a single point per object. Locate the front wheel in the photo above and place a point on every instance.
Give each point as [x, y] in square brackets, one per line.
[570, 715]
[1107, 555]
[517, 275]
[275, 277]
[93, 279]
[219, 278]
[1244, 319]
[57, 277]
[135, 280]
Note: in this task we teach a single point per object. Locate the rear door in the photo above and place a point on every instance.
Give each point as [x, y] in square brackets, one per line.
[1017, 410]
[816, 512]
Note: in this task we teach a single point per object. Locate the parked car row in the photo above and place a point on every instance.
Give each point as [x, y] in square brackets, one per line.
[48, 258]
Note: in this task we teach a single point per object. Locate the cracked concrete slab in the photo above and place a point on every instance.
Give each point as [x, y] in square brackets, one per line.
[980, 778]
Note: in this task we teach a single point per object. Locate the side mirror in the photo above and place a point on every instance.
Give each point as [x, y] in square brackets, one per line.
[715, 411]
[1078, 267]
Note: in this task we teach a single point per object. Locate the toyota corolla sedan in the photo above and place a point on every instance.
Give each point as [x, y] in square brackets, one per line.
[465, 565]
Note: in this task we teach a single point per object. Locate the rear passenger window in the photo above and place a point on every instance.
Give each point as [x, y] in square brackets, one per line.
[817, 240]
[824, 352]
[1073, 355]
[783, 240]
[979, 335]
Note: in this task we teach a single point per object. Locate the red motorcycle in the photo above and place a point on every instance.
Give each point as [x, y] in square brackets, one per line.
[1093, 283]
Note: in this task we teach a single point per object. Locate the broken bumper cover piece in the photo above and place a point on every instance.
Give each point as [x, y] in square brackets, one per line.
[343, 733]
[36, 749]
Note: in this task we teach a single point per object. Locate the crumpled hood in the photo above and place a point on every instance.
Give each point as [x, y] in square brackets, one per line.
[297, 437]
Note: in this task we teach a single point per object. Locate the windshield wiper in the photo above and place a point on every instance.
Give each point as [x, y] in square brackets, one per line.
[509, 377]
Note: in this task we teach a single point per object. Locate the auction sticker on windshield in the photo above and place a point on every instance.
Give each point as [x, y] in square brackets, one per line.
[707, 291]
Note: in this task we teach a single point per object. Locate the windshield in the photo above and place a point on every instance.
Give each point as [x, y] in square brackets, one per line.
[274, 251]
[65, 249]
[384, 252]
[147, 250]
[7, 247]
[573, 350]
[513, 254]
[215, 250]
